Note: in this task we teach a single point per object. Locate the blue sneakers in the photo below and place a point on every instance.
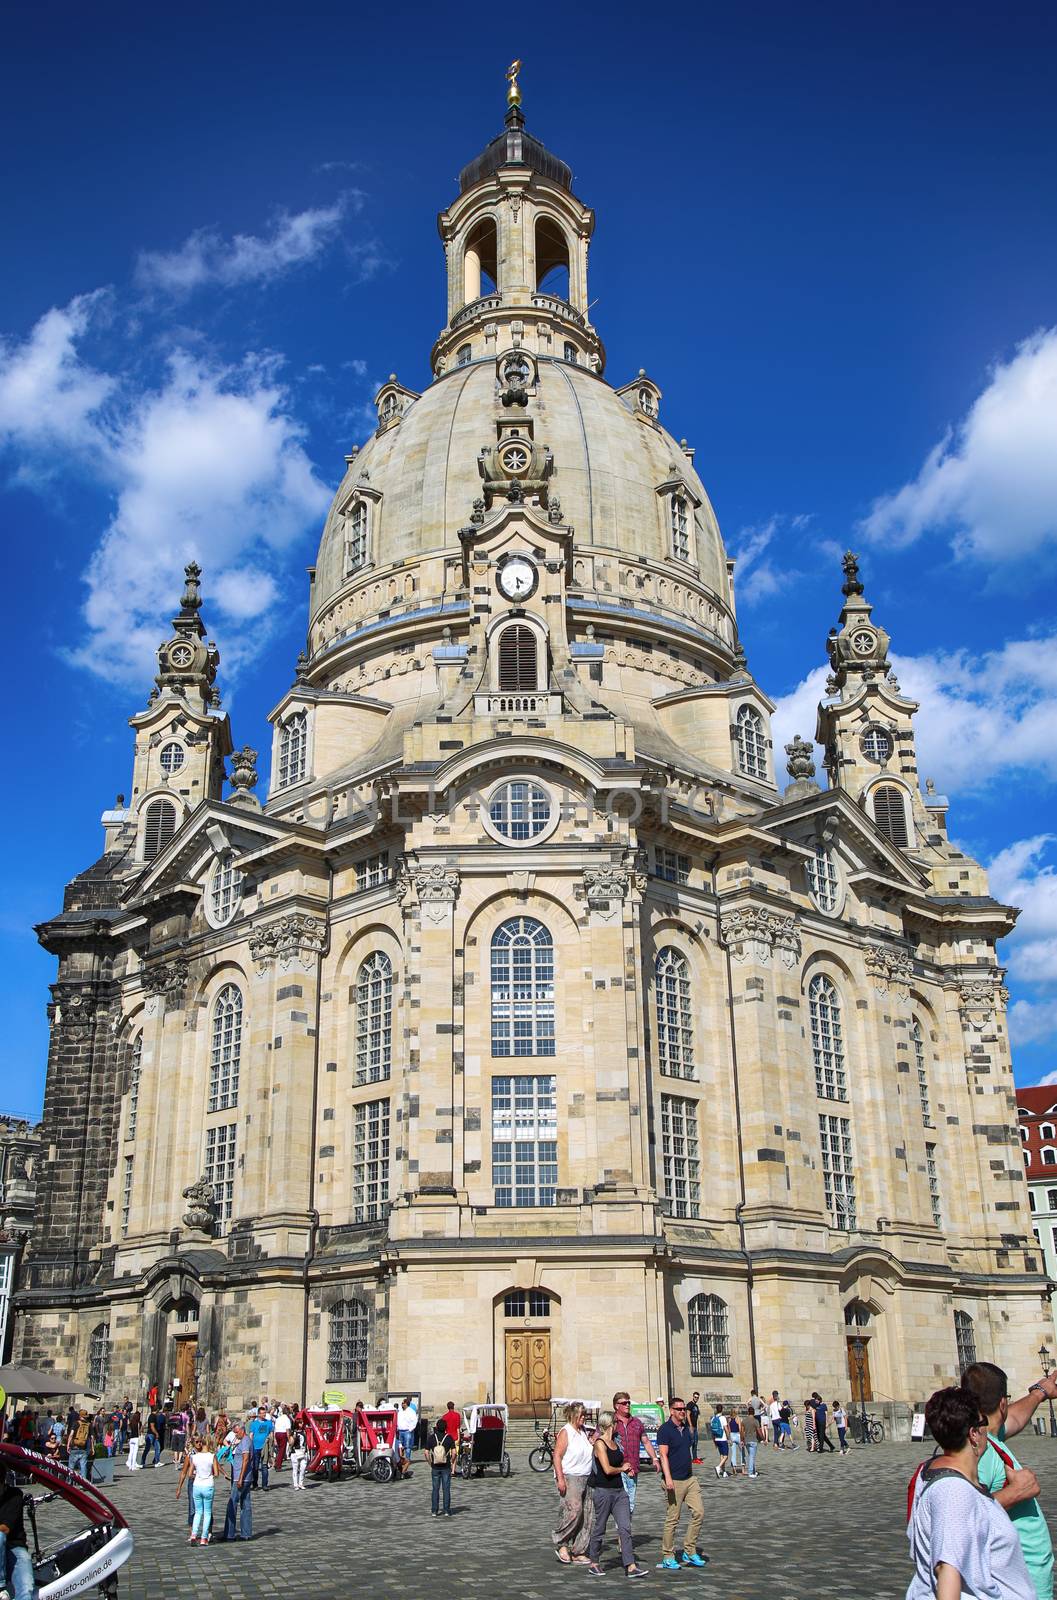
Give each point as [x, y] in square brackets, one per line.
[692, 1559]
[669, 1564]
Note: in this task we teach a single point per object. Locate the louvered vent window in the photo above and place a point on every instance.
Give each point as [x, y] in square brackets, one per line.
[159, 827]
[517, 658]
[890, 815]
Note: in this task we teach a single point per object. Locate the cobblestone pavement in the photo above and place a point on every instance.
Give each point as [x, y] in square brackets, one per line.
[808, 1528]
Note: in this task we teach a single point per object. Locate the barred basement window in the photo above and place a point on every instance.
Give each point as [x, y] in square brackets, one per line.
[99, 1358]
[225, 890]
[752, 748]
[517, 659]
[370, 1162]
[671, 866]
[126, 1196]
[159, 827]
[889, 813]
[680, 1155]
[226, 1049]
[135, 1071]
[349, 1323]
[964, 1339]
[522, 974]
[171, 758]
[372, 871]
[525, 1140]
[709, 1336]
[374, 1019]
[827, 1041]
[823, 879]
[932, 1172]
[680, 526]
[917, 1040]
[220, 1171]
[293, 749]
[675, 1020]
[838, 1170]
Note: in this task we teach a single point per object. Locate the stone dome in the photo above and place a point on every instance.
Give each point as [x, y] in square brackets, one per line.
[608, 466]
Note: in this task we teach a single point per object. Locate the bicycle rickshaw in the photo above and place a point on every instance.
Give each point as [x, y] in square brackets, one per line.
[86, 1560]
[483, 1440]
[369, 1446]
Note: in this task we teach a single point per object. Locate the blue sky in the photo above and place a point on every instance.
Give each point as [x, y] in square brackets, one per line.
[827, 232]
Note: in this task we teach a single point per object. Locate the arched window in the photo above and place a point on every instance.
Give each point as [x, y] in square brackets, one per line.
[1049, 1156]
[917, 1041]
[680, 524]
[1047, 1130]
[552, 259]
[374, 1019]
[675, 1016]
[480, 261]
[226, 1049]
[856, 1314]
[570, 353]
[890, 813]
[347, 1342]
[823, 879]
[827, 1040]
[158, 828]
[99, 1358]
[356, 519]
[135, 1068]
[225, 890]
[965, 1339]
[293, 749]
[522, 989]
[517, 658]
[464, 355]
[1051, 1199]
[709, 1336]
[752, 748]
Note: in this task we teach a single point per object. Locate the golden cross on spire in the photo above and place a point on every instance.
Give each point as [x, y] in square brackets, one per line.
[513, 94]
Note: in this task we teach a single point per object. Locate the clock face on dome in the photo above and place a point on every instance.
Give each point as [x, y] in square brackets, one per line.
[181, 655]
[517, 578]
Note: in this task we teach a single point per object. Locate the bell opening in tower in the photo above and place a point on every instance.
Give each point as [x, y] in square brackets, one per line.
[481, 261]
[552, 259]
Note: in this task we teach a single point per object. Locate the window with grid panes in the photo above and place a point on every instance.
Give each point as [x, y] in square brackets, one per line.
[680, 528]
[932, 1172]
[225, 890]
[171, 758]
[680, 1155]
[525, 1140]
[135, 1071]
[126, 1195]
[374, 1018]
[99, 1358]
[709, 1336]
[827, 1040]
[370, 1162]
[347, 1333]
[522, 975]
[823, 880]
[1051, 1199]
[917, 1040]
[877, 745]
[226, 1049]
[671, 866]
[293, 749]
[519, 811]
[838, 1170]
[752, 747]
[373, 871]
[675, 1019]
[964, 1339]
[220, 1171]
[356, 536]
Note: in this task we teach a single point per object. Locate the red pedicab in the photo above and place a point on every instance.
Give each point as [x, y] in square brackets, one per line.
[324, 1435]
[370, 1442]
[84, 1560]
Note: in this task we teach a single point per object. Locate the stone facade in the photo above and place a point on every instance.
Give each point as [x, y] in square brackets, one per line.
[19, 1153]
[529, 1037]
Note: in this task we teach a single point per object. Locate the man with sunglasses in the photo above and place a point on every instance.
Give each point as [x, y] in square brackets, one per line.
[630, 1433]
[1015, 1488]
[675, 1445]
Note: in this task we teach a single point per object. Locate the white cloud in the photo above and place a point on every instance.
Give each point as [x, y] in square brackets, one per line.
[48, 395]
[758, 575]
[208, 258]
[1025, 875]
[992, 481]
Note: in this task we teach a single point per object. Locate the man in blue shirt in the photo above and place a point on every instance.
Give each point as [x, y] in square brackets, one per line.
[260, 1432]
[676, 1450]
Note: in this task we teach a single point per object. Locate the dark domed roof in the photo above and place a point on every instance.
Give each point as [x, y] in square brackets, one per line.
[515, 148]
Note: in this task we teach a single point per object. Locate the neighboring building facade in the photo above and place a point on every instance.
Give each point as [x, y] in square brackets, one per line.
[19, 1152]
[530, 1037]
[1037, 1114]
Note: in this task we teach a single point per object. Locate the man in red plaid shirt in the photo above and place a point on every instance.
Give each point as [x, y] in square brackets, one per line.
[630, 1432]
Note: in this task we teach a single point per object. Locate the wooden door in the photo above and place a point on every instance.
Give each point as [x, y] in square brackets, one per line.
[853, 1372]
[528, 1372]
[186, 1356]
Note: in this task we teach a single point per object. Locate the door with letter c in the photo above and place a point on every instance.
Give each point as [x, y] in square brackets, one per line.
[528, 1372]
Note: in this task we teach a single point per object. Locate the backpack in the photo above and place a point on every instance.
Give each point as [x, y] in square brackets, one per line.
[438, 1454]
[80, 1438]
[948, 1472]
[716, 1427]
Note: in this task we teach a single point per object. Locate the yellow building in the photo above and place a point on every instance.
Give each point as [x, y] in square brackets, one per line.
[533, 1036]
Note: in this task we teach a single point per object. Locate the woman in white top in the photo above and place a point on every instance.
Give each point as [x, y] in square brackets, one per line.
[572, 1467]
[203, 1463]
[961, 1541]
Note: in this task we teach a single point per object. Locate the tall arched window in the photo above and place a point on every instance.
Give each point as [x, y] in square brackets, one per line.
[752, 747]
[226, 1049]
[827, 1039]
[680, 520]
[480, 261]
[374, 1018]
[552, 259]
[356, 535]
[293, 749]
[964, 1339]
[99, 1358]
[890, 813]
[675, 1017]
[917, 1042]
[522, 989]
[135, 1068]
[225, 890]
[158, 827]
[709, 1336]
[347, 1342]
[517, 658]
[823, 879]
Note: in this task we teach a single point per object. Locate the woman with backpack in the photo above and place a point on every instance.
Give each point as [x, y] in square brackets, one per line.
[961, 1541]
[440, 1448]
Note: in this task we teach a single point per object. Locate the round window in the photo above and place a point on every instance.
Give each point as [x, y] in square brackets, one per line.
[519, 812]
[863, 642]
[181, 655]
[515, 459]
[877, 745]
[172, 757]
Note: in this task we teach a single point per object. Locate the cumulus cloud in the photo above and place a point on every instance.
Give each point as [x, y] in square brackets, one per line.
[48, 394]
[759, 573]
[1025, 875]
[208, 258]
[991, 482]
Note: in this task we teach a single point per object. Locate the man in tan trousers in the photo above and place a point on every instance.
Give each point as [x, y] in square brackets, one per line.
[675, 1445]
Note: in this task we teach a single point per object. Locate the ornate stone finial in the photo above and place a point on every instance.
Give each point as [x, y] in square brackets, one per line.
[477, 512]
[513, 94]
[191, 599]
[850, 564]
[930, 786]
[244, 777]
[516, 493]
[201, 1214]
[301, 669]
[119, 802]
[800, 763]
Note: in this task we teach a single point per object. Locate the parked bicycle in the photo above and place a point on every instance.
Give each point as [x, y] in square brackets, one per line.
[874, 1430]
[542, 1456]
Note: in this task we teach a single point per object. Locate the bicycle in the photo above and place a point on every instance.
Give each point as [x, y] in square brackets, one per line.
[542, 1456]
[874, 1430]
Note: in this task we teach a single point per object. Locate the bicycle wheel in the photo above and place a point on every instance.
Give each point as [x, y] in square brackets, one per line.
[877, 1431]
[540, 1458]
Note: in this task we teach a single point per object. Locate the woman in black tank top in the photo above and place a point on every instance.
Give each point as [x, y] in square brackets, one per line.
[611, 1499]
